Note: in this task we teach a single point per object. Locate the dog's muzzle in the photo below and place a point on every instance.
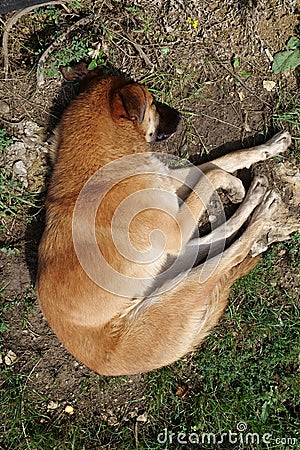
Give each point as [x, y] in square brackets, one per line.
[168, 122]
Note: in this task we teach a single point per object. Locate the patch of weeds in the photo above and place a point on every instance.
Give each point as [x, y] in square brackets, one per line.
[235, 62]
[48, 14]
[10, 251]
[146, 26]
[27, 422]
[78, 49]
[5, 140]
[245, 371]
[293, 247]
[287, 113]
[21, 412]
[145, 20]
[288, 59]
[14, 200]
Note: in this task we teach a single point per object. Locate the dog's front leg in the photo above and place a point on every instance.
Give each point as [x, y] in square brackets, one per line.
[245, 158]
[185, 178]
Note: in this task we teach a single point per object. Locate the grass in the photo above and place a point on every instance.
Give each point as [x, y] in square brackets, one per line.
[287, 114]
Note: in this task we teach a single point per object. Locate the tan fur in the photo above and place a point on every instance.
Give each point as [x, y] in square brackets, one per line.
[124, 334]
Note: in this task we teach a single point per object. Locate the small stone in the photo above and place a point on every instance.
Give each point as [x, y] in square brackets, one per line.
[18, 149]
[10, 358]
[20, 169]
[69, 409]
[31, 128]
[269, 85]
[4, 107]
[113, 421]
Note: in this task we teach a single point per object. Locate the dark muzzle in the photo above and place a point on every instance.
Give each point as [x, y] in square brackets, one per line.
[169, 121]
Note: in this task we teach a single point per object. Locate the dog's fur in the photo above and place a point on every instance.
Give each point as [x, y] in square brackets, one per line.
[152, 323]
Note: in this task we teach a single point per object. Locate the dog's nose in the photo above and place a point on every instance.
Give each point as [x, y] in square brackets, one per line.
[162, 136]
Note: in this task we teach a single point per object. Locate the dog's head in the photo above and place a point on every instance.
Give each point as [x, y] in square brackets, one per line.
[155, 120]
[131, 101]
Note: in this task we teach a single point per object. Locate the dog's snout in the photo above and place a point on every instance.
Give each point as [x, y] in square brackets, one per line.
[169, 120]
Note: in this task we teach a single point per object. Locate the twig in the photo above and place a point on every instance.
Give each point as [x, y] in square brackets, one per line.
[212, 117]
[11, 23]
[40, 76]
[138, 47]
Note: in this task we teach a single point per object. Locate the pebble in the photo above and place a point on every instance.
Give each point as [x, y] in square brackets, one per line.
[4, 107]
[18, 149]
[20, 169]
[10, 358]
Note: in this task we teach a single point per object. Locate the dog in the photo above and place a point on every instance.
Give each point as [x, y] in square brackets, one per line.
[123, 280]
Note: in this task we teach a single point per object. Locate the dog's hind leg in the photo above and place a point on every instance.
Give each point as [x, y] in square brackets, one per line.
[158, 330]
[196, 203]
[212, 244]
[231, 226]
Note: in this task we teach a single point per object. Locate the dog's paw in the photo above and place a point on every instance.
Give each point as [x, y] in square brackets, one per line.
[257, 189]
[278, 144]
[267, 207]
[235, 190]
[259, 185]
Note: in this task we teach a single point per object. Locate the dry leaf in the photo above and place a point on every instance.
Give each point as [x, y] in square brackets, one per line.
[269, 85]
[143, 417]
[69, 409]
[241, 95]
[182, 391]
[52, 405]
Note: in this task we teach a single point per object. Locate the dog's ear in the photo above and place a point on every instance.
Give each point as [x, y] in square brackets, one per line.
[129, 102]
[79, 72]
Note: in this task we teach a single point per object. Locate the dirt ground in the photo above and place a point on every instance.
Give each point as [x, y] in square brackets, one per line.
[210, 60]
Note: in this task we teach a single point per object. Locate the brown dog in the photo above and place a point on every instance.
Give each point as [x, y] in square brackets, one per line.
[119, 278]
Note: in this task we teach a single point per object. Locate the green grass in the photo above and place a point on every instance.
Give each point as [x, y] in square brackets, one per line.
[287, 114]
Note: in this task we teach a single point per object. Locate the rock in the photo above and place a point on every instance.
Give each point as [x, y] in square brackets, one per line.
[17, 150]
[4, 107]
[33, 131]
[19, 169]
[10, 358]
